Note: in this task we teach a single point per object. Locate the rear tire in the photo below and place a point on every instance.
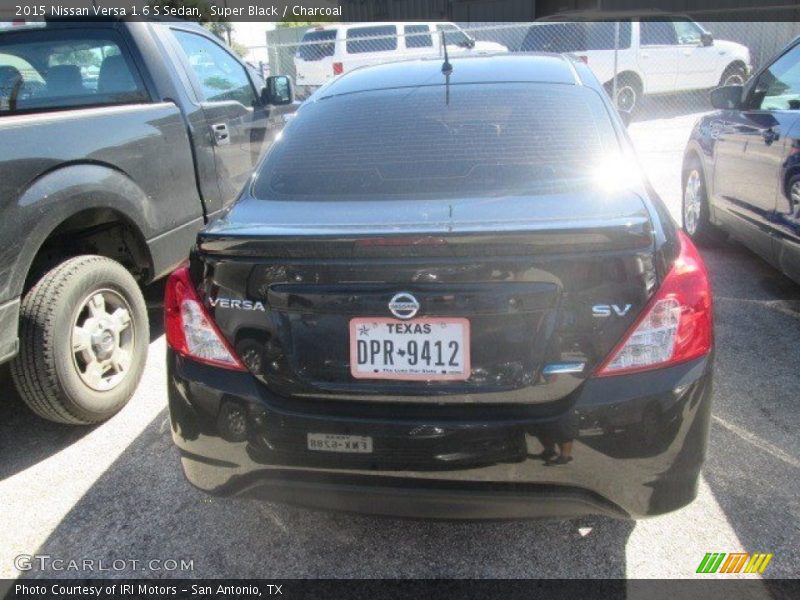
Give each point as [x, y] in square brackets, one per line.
[83, 341]
[793, 189]
[629, 93]
[695, 207]
[733, 75]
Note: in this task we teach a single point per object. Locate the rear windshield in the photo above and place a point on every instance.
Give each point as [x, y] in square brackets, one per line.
[485, 140]
[317, 45]
[576, 37]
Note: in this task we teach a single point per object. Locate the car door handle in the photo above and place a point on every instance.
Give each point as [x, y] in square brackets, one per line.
[644, 55]
[770, 135]
[221, 135]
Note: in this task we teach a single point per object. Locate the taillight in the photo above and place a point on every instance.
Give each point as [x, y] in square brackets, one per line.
[676, 325]
[190, 330]
[338, 68]
[583, 58]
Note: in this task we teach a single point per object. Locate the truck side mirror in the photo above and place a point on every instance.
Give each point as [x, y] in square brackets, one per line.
[278, 91]
[706, 39]
[727, 97]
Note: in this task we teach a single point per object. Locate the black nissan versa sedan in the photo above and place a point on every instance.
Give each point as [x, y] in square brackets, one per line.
[447, 293]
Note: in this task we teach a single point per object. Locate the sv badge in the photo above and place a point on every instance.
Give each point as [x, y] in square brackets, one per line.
[606, 310]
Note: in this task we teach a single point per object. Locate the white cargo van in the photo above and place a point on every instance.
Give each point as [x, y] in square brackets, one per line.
[331, 50]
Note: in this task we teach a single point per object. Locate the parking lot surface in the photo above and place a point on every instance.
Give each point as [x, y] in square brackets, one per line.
[116, 492]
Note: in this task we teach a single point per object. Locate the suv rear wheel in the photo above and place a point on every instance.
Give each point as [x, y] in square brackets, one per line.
[83, 341]
[628, 95]
[733, 75]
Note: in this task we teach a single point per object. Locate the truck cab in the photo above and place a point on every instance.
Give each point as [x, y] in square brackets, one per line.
[121, 141]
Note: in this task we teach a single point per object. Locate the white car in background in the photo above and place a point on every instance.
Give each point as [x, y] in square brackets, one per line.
[657, 54]
[330, 50]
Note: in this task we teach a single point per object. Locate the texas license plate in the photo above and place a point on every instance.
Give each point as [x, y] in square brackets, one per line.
[334, 442]
[424, 349]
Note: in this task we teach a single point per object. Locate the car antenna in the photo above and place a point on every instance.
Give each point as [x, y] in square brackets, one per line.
[447, 70]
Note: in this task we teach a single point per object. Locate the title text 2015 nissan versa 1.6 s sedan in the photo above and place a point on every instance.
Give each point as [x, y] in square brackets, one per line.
[447, 292]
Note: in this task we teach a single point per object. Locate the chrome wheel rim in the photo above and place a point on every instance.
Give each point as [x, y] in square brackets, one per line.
[794, 194]
[626, 98]
[103, 340]
[692, 202]
[734, 79]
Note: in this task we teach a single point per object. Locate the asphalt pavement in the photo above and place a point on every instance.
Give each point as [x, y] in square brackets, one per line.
[115, 492]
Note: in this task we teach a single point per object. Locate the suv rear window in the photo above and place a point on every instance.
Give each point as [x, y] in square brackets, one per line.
[47, 70]
[576, 37]
[513, 138]
[418, 36]
[317, 45]
[382, 38]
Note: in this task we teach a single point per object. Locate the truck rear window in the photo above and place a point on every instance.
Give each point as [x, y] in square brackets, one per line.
[473, 140]
[45, 70]
[317, 45]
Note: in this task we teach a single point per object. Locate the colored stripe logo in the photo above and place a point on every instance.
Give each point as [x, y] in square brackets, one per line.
[734, 562]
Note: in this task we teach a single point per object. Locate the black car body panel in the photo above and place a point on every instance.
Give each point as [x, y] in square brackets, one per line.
[550, 281]
[639, 444]
[516, 286]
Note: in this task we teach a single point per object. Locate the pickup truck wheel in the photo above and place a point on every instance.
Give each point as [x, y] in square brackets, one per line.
[733, 75]
[83, 341]
[696, 217]
[629, 92]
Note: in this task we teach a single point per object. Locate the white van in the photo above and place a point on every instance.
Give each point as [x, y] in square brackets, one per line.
[331, 50]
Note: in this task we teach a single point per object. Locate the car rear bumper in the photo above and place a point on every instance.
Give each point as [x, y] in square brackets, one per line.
[636, 442]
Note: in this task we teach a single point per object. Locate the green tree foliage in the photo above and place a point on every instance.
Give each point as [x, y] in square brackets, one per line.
[284, 24]
[240, 49]
[222, 29]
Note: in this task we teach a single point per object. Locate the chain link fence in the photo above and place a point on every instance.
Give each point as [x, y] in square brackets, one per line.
[659, 70]
[653, 68]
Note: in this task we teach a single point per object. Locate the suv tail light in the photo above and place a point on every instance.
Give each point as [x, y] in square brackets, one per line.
[338, 68]
[190, 330]
[676, 325]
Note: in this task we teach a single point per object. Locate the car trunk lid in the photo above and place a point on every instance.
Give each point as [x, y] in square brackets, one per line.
[283, 281]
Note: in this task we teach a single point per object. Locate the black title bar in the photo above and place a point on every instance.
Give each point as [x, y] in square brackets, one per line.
[378, 589]
[380, 10]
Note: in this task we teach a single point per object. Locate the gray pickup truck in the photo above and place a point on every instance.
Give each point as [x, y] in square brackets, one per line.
[118, 142]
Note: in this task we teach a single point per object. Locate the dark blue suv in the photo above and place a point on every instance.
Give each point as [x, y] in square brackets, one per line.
[741, 170]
